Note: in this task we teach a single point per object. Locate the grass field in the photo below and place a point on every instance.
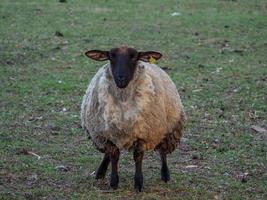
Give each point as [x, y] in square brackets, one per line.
[217, 54]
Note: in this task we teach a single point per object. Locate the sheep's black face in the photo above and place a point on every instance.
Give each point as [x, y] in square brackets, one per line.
[123, 63]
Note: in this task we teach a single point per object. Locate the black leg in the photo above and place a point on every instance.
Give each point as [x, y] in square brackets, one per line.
[114, 158]
[165, 174]
[138, 177]
[102, 169]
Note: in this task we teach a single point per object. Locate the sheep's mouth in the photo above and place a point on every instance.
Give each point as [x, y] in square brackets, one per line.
[121, 84]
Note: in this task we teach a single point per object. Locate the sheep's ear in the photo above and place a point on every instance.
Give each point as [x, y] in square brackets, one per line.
[97, 55]
[147, 56]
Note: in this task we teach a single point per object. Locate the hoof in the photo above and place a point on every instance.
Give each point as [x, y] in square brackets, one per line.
[138, 183]
[114, 182]
[165, 175]
[138, 188]
[165, 178]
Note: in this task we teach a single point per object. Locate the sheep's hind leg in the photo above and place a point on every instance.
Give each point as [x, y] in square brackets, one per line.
[165, 174]
[114, 158]
[138, 158]
[102, 169]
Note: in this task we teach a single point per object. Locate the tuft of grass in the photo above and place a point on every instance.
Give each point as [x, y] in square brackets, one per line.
[216, 52]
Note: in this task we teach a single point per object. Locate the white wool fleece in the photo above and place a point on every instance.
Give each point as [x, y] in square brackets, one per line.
[148, 109]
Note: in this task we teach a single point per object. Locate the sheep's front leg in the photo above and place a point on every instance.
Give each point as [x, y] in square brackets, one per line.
[138, 158]
[102, 169]
[165, 174]
[114, 158]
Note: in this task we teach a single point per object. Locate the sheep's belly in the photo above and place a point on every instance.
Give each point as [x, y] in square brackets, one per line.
[123, 132]
[125, 140]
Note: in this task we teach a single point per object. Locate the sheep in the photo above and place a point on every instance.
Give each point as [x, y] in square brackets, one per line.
[131, 104]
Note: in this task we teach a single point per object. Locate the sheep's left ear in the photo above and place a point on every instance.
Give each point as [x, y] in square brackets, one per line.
[97, 55]
[147, 55]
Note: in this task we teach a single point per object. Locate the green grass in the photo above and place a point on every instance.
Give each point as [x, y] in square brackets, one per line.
[217, 53]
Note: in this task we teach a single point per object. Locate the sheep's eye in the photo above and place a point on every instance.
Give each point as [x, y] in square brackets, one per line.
[112, 55]
[132, 56]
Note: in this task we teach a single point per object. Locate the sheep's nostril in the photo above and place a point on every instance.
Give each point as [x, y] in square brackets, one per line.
[121, 78]
[121, 81]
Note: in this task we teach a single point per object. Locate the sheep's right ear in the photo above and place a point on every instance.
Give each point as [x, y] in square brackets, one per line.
[97, 55]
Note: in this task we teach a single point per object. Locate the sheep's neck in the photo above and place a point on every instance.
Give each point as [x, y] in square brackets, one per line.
[122, 95]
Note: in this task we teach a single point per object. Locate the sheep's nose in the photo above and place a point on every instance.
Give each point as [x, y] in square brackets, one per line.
[121, 78]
